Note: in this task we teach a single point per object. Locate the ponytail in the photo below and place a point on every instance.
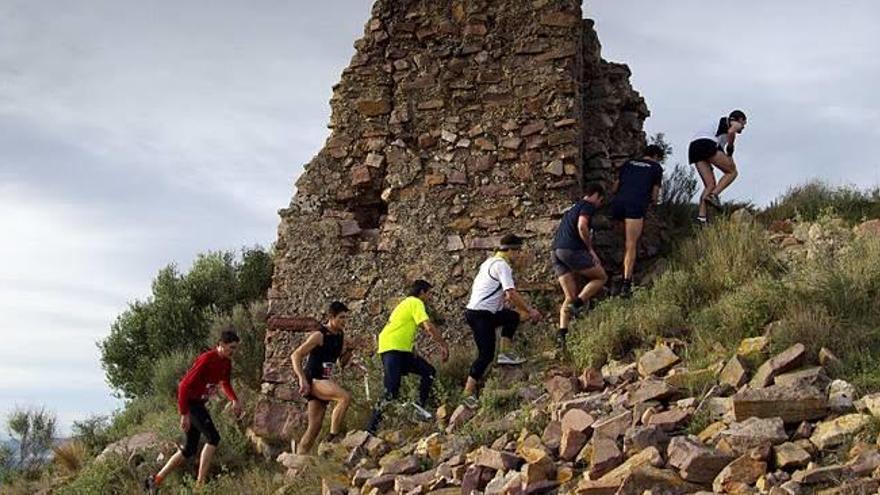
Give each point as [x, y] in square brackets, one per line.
[723, 126]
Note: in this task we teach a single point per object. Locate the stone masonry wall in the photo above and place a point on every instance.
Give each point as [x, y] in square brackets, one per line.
[455, 122]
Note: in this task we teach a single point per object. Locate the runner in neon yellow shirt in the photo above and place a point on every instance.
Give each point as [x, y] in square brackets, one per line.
[396, 348]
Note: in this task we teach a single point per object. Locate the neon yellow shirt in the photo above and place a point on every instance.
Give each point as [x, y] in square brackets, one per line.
[399, 333]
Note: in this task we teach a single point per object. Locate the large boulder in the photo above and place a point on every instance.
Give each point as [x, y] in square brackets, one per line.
[696, 462]
[786, 360]
[792, 404]
[146, 446]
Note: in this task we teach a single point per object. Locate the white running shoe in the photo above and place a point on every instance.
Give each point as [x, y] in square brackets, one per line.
[471, 402]
[510, 359]
[422, 414]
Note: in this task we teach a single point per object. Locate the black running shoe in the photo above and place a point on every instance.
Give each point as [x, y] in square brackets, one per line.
[626, 289]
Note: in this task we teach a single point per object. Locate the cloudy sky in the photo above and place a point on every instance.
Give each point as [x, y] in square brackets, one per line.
[133, 134]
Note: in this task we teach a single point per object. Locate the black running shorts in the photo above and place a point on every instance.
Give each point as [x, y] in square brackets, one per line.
[622, 210]
[702, 150]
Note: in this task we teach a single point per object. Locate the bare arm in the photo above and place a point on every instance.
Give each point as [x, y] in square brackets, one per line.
[438, 337]
[655, 195]
[519, 301]
[731, 138]
[584, 231]
[312, 341]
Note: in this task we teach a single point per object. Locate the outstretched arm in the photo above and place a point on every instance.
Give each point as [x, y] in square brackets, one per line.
[519, 301]
[438, 337]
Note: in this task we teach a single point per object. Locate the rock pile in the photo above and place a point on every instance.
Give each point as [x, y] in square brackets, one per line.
[455, 122]
[783, 428]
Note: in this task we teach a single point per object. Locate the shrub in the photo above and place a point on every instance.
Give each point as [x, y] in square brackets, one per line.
[167, 372]
[250, 324]
[92, 432]
[70, 456]
[111, 477]
[33, 430]
[811, 200]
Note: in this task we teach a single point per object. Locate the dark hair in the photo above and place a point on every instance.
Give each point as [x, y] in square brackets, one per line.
[228, 337]
[724, 122]
[655, 151]
[737, 115]
[337, 308]
[419, 287]
[591, 188]
[510, 241]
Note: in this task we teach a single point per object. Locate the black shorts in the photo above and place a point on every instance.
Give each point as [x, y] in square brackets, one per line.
[702, 150]
[200, 423]
[622, 210]
[571, 260]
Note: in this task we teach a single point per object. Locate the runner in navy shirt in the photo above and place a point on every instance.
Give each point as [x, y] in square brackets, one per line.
[573, 256]
[637, 186]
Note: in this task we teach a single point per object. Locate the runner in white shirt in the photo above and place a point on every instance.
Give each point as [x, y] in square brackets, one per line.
[714, 146]
[492, 287]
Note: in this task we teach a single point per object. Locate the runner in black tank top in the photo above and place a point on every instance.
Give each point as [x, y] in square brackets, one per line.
[321, 352]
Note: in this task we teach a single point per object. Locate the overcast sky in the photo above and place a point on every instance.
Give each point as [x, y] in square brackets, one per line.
[134, 134]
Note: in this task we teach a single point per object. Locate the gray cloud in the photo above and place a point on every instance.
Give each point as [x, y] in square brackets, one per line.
[133, 134]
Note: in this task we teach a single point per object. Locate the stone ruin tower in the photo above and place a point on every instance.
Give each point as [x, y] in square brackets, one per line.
[456, 121]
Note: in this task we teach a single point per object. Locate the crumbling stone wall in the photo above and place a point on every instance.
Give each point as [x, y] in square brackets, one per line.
[455, 122]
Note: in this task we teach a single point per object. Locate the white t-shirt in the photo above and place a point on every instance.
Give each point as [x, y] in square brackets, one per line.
[493, 278]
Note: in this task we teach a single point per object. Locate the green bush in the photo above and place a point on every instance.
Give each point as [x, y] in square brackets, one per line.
[177, 316]
[92, 432]
[250, 323]
[111, 477]
[813, 199]
[167, 372]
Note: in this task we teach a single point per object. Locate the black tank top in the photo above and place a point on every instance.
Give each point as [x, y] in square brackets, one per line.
[322, 360]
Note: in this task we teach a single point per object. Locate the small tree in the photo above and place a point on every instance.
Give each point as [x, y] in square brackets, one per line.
[34, 431]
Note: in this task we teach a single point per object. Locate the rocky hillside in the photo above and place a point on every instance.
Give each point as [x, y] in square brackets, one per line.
[760, 419]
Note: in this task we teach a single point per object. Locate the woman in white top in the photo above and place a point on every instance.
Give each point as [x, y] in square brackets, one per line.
[714, 146]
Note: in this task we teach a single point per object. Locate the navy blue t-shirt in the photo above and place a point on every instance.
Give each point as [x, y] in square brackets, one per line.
[567, 236]
[637, 181]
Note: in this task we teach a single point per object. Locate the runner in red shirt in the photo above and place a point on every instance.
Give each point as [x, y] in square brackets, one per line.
[196, 387]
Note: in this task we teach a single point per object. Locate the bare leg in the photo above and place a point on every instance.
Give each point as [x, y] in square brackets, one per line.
[328, 390]
[633, 233]
[569, 287]
[315, 414]
[597, 278]
[205, 462]
[173, 463]
[728, 166]
[708, 178]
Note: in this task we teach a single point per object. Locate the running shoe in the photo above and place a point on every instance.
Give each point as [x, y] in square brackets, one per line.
[421, 413]
[575, 312]
[626, 289]
[509, 359]
[714, 201]
[471, 402]
[701, 222]
[150, 486]
[332, 438]
[560, 340]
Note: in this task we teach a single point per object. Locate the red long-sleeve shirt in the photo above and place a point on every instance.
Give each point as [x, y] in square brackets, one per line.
[209, 369]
